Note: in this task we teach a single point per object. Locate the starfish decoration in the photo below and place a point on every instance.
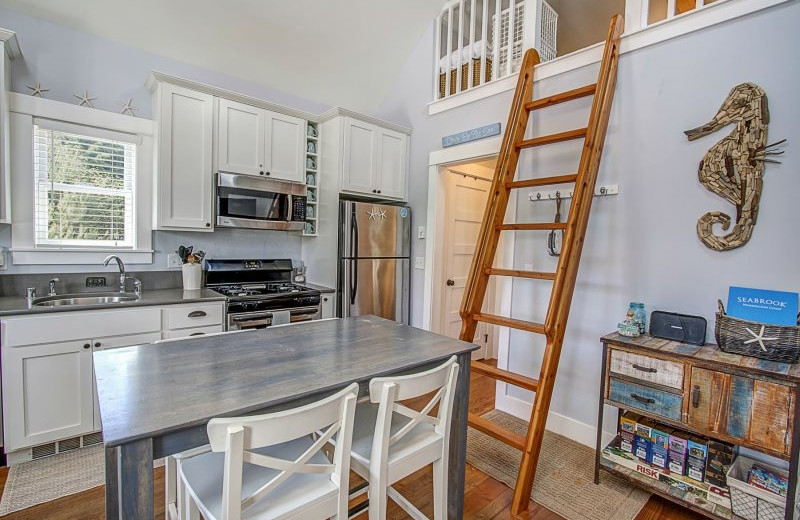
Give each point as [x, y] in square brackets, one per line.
[373, 213]
[85, 99]
[128, 108]
[759, 337]
[38, 89]
[382, 214]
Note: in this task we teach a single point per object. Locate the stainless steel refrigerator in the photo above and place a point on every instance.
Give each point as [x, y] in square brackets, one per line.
[374, 260]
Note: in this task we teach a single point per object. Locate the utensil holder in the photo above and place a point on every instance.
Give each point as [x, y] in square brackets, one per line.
[192, 277]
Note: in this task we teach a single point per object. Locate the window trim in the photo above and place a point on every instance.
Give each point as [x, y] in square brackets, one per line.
[92, 122]
[639, 38]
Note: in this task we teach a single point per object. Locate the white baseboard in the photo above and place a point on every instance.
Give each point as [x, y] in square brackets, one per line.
[561, 424]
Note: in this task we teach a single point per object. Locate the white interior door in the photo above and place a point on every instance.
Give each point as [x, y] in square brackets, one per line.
[465, 203]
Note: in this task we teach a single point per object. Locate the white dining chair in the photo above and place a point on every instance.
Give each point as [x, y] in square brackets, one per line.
[391, 441]
[272, 466]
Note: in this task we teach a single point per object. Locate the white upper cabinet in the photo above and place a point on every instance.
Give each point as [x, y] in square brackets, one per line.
[375, 160]
[184, 187]
[9, 50]
[254, 141]
[240, 139]
[358, 174]
[285, 144]
[392, 169]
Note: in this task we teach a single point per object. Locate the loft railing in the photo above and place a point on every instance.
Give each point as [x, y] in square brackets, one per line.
[479, 41]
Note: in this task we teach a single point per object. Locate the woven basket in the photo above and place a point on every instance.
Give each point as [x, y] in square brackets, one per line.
[476, 76]
[750, 338]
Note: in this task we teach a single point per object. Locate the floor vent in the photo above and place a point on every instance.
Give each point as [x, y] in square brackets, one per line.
[93, 438]
[69, 444]
[45, 450]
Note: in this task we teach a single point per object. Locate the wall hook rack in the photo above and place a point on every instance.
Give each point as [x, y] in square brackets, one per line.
[601, 191]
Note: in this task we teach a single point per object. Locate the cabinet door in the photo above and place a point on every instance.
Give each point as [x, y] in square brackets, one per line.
[285, 145]
[112, 343]
[391, 164]
[756, 411]
[360, 156]
[185, 175]
[47, 393]
[240, 138]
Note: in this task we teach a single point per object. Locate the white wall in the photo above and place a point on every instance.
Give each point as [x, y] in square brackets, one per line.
[67, 61]
[641, 244]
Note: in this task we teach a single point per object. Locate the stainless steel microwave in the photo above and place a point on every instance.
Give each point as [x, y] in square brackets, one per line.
[244, 201]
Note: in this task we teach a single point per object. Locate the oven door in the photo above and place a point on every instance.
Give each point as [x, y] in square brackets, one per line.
[244, 201]
[263, 319]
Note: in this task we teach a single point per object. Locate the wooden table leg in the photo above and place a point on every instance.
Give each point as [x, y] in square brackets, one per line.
[458, 441]
[129, 481]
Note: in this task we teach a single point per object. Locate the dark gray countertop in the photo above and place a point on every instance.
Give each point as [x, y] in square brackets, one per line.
[148, 390]
[16, 305]
[320, 288]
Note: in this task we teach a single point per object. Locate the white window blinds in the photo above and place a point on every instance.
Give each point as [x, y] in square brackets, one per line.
[84, 188]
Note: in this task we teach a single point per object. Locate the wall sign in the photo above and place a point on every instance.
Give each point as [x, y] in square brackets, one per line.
[471, 135]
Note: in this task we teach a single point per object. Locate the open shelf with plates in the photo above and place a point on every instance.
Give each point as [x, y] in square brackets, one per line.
[312, 179]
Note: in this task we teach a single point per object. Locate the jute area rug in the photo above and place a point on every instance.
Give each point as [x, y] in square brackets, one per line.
[564, 479]
[47, 479]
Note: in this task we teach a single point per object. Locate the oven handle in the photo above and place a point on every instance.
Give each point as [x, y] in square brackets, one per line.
[300, 311]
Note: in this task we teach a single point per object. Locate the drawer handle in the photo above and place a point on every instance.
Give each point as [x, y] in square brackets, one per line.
[645, 400]
[696, 396]
[197, 314]
[197, 334]
[644, 369]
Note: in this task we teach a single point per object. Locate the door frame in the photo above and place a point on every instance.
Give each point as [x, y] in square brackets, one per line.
[440, 161]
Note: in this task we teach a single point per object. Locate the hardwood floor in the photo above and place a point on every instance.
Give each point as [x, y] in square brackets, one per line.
[485, 498]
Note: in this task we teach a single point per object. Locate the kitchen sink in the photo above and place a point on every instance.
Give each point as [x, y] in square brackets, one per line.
[103, 298]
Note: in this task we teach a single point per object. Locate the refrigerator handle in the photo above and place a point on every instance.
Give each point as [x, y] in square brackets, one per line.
[354, 246]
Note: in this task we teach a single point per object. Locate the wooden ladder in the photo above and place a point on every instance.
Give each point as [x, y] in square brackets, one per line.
[574, 232]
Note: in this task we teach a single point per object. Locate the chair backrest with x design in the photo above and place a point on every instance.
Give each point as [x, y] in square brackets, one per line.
[388, 391]
[238, 436]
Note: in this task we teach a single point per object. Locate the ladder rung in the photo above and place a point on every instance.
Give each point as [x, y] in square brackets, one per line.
[505, 376]
[543, 181]
[553, 138]
[555, 99]
[510, 322]
[535, 275]
[491, 429]
[534, 226]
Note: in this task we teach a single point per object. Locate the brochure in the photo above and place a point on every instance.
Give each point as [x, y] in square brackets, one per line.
[770, 307]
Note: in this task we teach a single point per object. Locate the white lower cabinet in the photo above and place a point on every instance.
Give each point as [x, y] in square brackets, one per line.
[47, 370]
[327, 306]
[48, 393]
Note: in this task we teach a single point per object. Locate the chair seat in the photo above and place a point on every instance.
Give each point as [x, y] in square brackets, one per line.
[203, 476]
[421, 442]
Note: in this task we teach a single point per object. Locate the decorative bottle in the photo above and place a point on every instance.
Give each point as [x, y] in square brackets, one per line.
[639, 315]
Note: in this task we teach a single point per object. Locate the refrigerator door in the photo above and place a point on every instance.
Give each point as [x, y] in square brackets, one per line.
[375, 286]
[375, 230]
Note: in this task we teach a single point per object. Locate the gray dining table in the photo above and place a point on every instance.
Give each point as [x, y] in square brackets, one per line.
[156, 399]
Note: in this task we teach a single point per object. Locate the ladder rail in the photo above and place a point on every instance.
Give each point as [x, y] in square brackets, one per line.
[566, 273]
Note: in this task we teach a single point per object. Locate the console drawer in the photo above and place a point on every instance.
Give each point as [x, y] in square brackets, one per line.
[653, 400]
[649, 369]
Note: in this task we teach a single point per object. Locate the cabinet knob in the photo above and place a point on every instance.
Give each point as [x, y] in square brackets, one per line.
[374, 191]
[379, 191]
[324, 299]
[268, 173]
[87, 346]
[261, 173]
[450, 283]
[208, 224]
[97, 344]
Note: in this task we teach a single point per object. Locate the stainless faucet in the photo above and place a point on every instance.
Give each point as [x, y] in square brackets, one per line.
[122, 276]
[52, 285]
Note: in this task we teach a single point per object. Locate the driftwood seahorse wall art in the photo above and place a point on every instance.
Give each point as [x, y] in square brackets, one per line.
[734, 167]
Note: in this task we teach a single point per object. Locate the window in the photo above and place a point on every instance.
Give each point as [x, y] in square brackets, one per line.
[84, 193]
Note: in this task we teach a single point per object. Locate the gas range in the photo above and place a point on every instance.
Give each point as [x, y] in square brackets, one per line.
[261, 292]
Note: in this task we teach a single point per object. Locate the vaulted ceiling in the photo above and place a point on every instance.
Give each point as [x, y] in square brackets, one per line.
[336, 52]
